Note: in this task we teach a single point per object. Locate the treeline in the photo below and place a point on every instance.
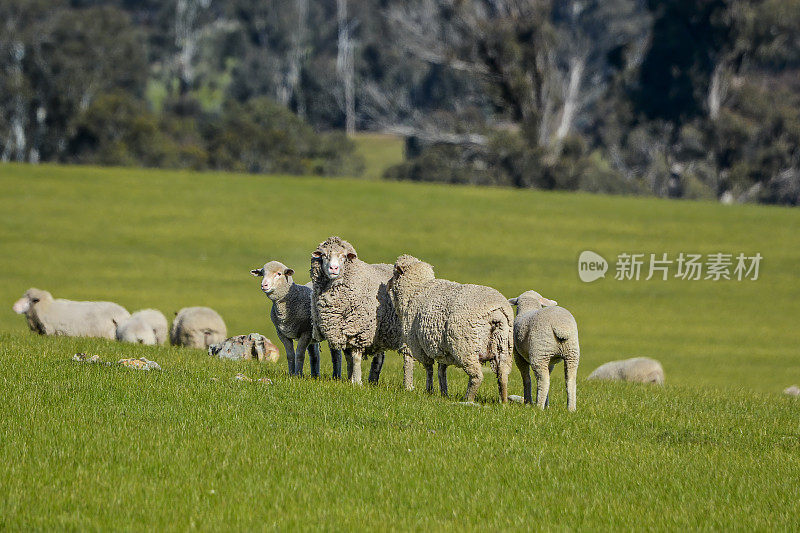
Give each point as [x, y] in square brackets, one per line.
[674, 98]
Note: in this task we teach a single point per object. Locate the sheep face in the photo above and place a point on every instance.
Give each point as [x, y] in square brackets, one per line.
[334, 257]
[274, 275]
[531, 301]
[29, 299]
[409, 274]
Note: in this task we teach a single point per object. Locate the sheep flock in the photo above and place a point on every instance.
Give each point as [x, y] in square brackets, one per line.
[364, 310]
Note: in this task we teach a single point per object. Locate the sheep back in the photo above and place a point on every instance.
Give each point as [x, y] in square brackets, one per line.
[148, 326]
[636, 369]
[452, 323]
[197, 327]
[544, 330]
[81, 319]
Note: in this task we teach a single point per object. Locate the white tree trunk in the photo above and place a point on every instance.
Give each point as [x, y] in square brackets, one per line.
[571, 98]
[717, 90]
[345, 66]
[297, 57]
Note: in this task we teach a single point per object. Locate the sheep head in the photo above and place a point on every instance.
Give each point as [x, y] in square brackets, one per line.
[29, 299]
[276, 279]
[332, 257]
[531, 301]
[409, 275]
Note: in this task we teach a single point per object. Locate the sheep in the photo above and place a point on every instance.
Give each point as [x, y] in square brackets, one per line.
[244, 347]
[453, 324]
[545, 334]
[48, 316]
[148, 326]
[352, 309]
[291, 314]
[636, 369]
[197, 327]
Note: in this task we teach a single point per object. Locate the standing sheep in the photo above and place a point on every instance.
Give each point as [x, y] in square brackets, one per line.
[453, 324]
[636, 369]
[197, 327]
[545, 334]
[48, 316]
[291, 314]
[147, 326]
[352, 309]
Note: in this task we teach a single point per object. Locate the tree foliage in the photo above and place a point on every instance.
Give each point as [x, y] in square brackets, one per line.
[676, 98]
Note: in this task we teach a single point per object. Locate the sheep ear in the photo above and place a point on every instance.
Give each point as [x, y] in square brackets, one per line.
[257, 272]
[546, 302]
[398, 270]
[351, 256]
[288, 272]
[513, 301]
[316, 253]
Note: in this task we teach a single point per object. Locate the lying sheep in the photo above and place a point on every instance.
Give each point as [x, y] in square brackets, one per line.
[244, 347]
[545, 334]
[147, 326]
[453, 324]
[637, 369]
[47, 316]
[352, 309]
[291, 314]
[197, 327]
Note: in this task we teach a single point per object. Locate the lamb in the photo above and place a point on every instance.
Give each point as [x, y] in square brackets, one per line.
[352, 309]
[636, 369]
[48, 316]
[453, 324]
[291, 314]
[148, 326]
[197, 327]
[545, 334]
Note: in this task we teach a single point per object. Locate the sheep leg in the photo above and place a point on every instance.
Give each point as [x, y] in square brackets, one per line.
[550, 372]
[336, 361]
[525, 371]
[289, 345]
[375, 367]
[313, 359]
[300, 353]
[355, 377]
[571, 376]
[408, 368]
[443, 379]
[475, 373]
[348, 357]
[429, 378]
[542, 384]
[503, 370]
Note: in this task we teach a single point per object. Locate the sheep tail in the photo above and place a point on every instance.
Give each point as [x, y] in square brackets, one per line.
[499, 334]
[562, 333]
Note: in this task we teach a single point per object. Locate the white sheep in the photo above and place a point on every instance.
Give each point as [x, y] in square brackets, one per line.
[197, 327]
[48, 316]
[291, 315]
[452, 324]
[148, 326]
[352, 309]
[636, 369]
[545, 334]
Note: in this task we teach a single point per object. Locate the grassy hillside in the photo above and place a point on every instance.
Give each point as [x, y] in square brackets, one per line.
[89, 447]
[379, 152]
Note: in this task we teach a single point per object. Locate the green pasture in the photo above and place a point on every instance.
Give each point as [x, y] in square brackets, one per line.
[93, 447]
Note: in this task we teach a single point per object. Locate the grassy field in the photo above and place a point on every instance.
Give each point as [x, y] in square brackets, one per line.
[91, 447]
[379, 152]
